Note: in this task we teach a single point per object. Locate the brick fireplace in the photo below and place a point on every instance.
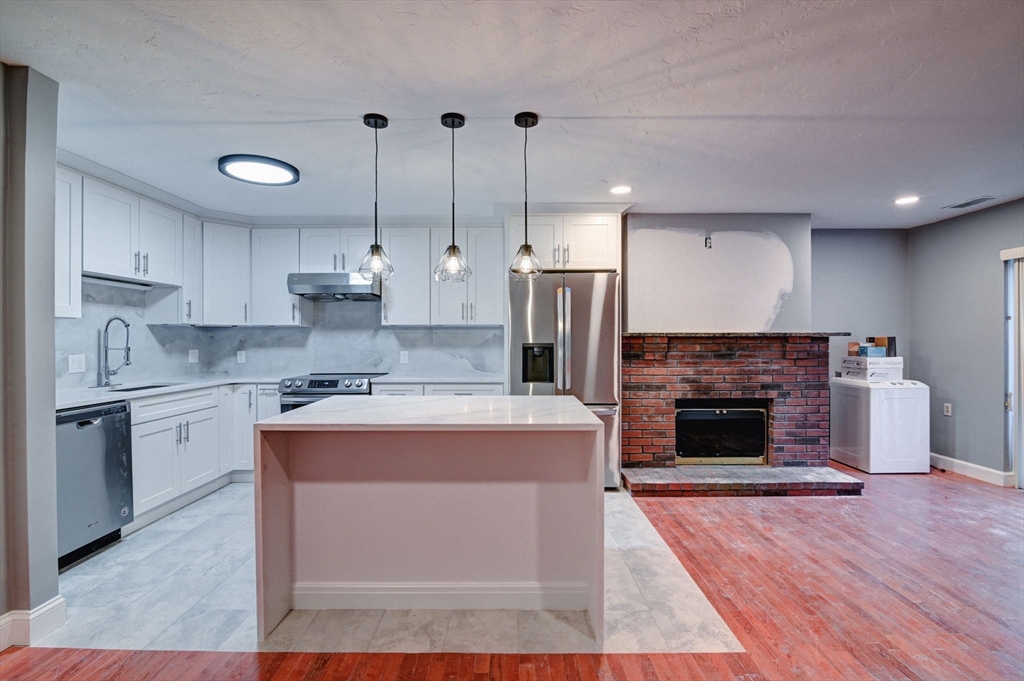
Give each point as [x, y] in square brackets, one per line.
[788, 370]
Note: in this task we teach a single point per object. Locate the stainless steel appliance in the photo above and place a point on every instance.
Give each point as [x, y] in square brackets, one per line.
[94, 478]
[333, 286]
[564, 340]
[299, 391]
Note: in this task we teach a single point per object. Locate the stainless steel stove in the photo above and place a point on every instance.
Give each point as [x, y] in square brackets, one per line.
[302, 390]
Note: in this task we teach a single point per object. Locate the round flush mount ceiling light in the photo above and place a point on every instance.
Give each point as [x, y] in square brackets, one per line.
[907, 200]
[258, 169]
[621, 189]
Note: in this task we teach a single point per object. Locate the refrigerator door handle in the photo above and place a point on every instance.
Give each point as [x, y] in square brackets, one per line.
[559, 338]
[568, 337]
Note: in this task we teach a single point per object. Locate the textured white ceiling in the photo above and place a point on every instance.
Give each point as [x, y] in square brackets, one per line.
[829, 108]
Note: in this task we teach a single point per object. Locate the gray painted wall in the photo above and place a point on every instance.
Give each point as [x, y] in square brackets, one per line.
[859, 284]
[5, 550]
[957, 328]
[29, 450]
[756, 277]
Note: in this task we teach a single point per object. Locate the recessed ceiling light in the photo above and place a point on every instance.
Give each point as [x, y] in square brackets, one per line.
[907, 200]
[258, 169]
[622, 189]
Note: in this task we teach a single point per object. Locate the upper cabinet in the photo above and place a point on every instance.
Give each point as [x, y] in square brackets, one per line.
[275, 254]
[479, 299]
[226, 275]
[569, 242]
[68, 244]
[333, 249]
[405, 297]
[191, 295]
[125, 237]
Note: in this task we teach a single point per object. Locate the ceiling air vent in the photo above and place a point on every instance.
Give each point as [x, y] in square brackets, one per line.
[968, 204]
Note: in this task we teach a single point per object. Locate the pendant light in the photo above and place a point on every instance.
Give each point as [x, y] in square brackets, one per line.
[452, 266]
[375, 266]
[525, 266]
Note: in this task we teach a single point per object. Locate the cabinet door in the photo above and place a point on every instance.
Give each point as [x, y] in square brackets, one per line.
[275, 254]
[449, 302]
[200, 448]
[67, 224]
[355, 242]
[191, 271]
[403, 389]
[226, 409]
[226, 275]
[461, 389]
[590, 242]
[155, 468]
[244, 417]
[406, 295]
[487, 285]
[320, 249]
[110, 231]
[160, 243]
[545, 237]
[268, 402]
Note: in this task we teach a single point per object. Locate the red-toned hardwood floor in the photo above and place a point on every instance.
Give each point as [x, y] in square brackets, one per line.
[920, 578]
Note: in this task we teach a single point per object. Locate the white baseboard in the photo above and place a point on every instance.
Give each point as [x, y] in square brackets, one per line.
[973, 470]
[27, 627]
[441, 595]
[178, 503]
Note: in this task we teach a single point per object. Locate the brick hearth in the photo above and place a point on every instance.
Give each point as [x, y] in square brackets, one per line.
[791, 371]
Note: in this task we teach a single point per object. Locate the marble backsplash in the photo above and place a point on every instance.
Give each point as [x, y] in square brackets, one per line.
[345, 336]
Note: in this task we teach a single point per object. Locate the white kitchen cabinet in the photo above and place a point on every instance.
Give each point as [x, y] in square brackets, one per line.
[458, 389]
[479, 299]
[268, 401]
[67, 269]
[159, 243]
[244, 416]
[405, 297]
[275, 254]
[191, 294]
[226, 406]
[199, 451]
[404, 389]
[110, 231]
[333, 249]
[156, 472]
[226, 275]
[569, 242]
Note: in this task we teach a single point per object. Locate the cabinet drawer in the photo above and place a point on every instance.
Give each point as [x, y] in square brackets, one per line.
[398, 389]
[172, 404]
[463, 389]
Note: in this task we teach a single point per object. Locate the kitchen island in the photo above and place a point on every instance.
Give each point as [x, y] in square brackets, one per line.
[484, 502]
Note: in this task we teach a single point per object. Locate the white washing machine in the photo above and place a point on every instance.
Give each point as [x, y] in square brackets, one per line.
[880, 426]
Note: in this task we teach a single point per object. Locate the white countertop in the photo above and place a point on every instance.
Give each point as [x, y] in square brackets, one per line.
[481, 412]
[83, 397]
[389, 379]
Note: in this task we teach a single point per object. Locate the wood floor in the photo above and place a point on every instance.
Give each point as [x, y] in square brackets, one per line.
[920, 578]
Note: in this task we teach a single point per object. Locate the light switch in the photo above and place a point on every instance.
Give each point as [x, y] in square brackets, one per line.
[193, 356]
[76, 364]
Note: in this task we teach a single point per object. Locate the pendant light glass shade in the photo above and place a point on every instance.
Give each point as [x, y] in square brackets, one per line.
[453, 265]
[525, 266]
[375, 266]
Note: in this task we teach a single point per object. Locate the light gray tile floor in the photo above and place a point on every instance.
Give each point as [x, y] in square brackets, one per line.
[188, 582]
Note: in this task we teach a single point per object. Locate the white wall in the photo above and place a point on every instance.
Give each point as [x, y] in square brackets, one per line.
[755, 277]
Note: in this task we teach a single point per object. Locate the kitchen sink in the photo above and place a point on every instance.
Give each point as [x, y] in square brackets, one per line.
[141, 387]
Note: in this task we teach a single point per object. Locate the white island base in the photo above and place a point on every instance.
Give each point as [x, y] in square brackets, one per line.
[437, 502]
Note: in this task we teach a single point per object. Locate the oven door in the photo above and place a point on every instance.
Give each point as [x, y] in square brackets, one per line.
[289, 402]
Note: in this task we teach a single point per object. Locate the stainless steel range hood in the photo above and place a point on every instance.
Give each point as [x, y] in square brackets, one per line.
[332, 286]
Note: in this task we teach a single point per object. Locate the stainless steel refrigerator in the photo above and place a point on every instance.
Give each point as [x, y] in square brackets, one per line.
[564, 340]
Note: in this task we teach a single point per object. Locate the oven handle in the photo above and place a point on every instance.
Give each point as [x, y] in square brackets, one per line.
[302, 399]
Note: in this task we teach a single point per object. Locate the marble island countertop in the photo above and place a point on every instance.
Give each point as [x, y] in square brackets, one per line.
[389, 379]
[505, 412]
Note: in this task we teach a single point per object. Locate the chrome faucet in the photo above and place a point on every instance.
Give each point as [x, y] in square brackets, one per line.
[127, 361]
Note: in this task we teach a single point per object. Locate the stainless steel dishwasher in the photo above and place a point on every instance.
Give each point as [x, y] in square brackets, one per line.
[94, 478]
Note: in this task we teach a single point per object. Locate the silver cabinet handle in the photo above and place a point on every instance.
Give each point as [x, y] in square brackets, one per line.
[462, 394]
[179, 433]
[463, 312]
[335, 262]
[342, 262]
[245, 311]
[186, 431]
[250, 399]
[188, 315]
[145, 264]
[558, 251]
[385, 312]
[137, 253]
[568, 336]
[559, 338]
[293, 312]
[567, 254]
[471, 313]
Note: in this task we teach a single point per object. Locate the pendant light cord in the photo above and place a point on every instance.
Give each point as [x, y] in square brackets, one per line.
[453, 185]
[526, 214]
[376, 151]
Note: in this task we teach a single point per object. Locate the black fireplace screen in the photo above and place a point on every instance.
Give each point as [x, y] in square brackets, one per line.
[721, 428]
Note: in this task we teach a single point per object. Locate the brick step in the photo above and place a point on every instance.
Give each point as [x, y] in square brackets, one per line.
[739, 481]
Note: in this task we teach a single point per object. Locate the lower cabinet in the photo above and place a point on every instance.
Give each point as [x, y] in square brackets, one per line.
[452, 389]
[252, 402]
[398, 389]
[173, 455]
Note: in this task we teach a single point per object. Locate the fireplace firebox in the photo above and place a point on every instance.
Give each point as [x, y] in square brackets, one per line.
[721, 431]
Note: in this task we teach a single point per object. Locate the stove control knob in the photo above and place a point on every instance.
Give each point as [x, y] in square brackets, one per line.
[348, 383]
[359, 383]
[298, 384]
[287, 384]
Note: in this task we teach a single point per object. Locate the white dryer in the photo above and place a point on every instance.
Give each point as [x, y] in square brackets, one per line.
[880, 426]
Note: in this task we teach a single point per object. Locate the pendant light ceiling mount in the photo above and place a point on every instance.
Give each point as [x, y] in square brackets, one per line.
[376, 265]
[375, 121]
[453, 265]
[525, 265]
[453, 120]
[526, 119]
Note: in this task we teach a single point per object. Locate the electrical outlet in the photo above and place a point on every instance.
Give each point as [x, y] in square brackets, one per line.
[76, 364]
[947, 409]
[193, 356]
[403, 357]
[240, 356]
